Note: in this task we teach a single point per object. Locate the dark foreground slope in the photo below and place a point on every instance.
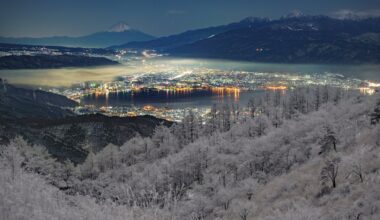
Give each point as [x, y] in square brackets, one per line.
[44, 118]
[74, 137]
[18, 103]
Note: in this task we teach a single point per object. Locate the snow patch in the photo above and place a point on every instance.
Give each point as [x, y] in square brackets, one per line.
[120, 27]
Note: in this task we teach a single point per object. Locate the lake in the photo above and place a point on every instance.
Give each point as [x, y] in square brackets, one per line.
[196, 98]
[67, 77]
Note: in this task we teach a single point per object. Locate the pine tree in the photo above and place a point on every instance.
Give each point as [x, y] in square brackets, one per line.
[89, 169]
[252, 108]
[338, 96]
[75, 135]
[226, 118]
[328, 141]
[317, 100]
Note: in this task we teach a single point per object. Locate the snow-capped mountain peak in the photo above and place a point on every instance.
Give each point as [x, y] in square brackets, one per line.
[294, 14]
[120, 27]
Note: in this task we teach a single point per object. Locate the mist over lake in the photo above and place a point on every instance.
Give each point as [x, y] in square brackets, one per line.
[70, 76]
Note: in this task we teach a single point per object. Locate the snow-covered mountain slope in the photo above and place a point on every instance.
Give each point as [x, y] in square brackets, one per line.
[312, 153]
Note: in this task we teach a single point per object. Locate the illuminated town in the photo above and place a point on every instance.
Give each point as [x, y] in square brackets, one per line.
[184, 82]
[149, 83]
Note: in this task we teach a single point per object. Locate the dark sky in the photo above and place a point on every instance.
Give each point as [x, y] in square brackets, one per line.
[157, 17]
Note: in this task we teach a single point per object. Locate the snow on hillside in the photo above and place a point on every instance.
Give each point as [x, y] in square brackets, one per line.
[312, 153]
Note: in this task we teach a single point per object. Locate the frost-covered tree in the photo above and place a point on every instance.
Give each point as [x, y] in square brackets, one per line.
[356, 172]
[189, 130]
[337, 96]
[328, 141]
[68, 170]
[261, 125]
[108, 158]
[329, 172]
[375, 115]
[90, 169]
[252, 107]
[317, 99]
[224, 197]
[13, 159]
[276, 117]
[221, 167]
[226, 118]
[165, 142]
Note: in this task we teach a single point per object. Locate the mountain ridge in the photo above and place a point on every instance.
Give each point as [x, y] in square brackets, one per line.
[52, 61]
[190, 36]
[304, 39]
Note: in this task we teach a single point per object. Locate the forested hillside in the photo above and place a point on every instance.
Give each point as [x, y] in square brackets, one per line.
[308, 153]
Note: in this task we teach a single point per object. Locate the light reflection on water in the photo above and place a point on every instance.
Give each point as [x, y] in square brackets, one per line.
[189, 99]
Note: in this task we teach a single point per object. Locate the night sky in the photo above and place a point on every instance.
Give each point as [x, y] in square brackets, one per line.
[158, 17]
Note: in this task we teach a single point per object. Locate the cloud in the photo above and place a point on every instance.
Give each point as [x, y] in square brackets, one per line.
[353, 14]
[175, 12]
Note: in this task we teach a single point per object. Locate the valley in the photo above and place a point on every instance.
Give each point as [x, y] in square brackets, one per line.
[205, 113]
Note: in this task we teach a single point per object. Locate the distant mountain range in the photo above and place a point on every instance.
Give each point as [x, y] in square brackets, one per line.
[188, 37]
[117, 34]
[294, 38]
[50, 62]
[36, 49]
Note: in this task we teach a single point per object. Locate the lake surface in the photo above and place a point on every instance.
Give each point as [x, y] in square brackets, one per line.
[196, 98]
[69, 76]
